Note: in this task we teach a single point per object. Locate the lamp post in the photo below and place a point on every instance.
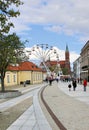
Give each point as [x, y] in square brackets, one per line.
[43, 53]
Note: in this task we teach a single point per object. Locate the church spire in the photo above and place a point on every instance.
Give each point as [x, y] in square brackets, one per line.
[67, 50]
[67, 54]
[67, 59]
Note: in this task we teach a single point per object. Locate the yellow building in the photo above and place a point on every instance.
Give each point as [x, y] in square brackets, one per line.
[10, 78]
[25, 71]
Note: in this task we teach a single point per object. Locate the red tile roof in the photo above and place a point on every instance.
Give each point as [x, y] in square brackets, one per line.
[24, 66]
[11, 67]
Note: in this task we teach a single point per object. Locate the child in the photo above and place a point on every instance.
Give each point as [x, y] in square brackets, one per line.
[69, 86]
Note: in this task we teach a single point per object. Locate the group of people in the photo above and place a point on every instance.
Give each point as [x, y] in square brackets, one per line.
[50, 79]
[74, 84]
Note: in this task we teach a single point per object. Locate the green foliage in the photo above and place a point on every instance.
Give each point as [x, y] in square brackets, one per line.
[51, 68]
[7, 12]
[11, 51]
[65, 71]
[11, 48]
[54, 68]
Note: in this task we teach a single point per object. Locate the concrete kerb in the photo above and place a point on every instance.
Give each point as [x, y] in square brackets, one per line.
[16, 92]
[38, 120]
[41, 119]
[8, 94]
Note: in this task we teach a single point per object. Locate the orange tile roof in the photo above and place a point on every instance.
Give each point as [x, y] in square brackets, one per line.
[11, 67]
[24, 66]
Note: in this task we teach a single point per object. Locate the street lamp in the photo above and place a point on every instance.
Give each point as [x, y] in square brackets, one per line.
[43, 53]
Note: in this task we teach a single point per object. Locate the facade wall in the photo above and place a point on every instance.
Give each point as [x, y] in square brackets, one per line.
[10, 78]
[23, 76]
[85, 61]
[33, 76]
[15, 78]
[76, 68]
[25, 71]
[37, 77]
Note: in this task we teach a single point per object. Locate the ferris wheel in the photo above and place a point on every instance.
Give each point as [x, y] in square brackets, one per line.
[43, 53]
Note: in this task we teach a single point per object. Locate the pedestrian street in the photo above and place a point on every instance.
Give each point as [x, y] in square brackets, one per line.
[78, 94]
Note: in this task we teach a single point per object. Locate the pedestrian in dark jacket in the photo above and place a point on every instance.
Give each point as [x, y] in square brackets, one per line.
[74, 83]
[50, 80]
[69, 86]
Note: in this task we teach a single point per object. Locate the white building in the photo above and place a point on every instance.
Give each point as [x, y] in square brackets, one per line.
[76, 68]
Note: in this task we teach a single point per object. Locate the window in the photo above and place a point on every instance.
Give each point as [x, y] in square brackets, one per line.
[14, 78]
[8, 79]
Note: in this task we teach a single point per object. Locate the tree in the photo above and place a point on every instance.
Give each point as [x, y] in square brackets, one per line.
[65, 71]
[11, 48]
[52, 68]
[11, 51]
[7, 12]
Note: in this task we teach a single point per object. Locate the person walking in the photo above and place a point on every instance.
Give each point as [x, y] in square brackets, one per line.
[24, 83]
[50, 80]
[57, 79]
[74, 83]
[69, 86]
[84, 84]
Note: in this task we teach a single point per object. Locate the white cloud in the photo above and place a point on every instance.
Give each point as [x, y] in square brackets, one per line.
[84, 38]
[61, 53]
[73, 56]
[54, 28]
[20, 25]
[70, 16]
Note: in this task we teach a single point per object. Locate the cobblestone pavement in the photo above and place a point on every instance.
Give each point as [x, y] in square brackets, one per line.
[33, 118]
[71, 108]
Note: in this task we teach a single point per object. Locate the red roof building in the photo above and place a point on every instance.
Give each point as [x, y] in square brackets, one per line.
[24, 66]
[25, 71]
[64, 64]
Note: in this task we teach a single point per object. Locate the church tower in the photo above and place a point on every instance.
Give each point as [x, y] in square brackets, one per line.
[67, 59]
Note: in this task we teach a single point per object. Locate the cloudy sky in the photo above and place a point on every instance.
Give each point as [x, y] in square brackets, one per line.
[54, 22]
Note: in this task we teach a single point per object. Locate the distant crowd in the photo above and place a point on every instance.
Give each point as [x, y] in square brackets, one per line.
[74, 83]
